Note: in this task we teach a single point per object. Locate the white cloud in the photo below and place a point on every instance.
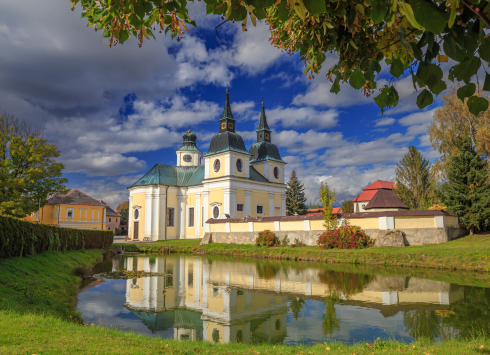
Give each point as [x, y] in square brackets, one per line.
[100, 164]
[384, 121]
[302, 117]
[307, 142]
[288, 79]
[423, 117]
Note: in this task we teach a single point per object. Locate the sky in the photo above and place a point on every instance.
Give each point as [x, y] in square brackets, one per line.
[116, 112]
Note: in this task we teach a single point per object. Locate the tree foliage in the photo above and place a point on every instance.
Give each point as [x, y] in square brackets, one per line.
[123, 210]
[408, 35]
[328, 197]
[29, 172]
[413, 183]
[295, 196]
[347, 206]
[467, 192]
[453, 120]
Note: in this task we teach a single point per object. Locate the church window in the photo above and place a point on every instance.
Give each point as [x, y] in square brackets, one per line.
[69, 213]
[239, 207]
[215, 335]
[170, 216]
[267, 136]
[260, 209]
[187, 158]
[191, 216]
[217, 165]
[215, 212]
[109, 228]
[362, 206]
[230, 125]
[276, 172]
[136, 214]
[109, 220]
[239, 165]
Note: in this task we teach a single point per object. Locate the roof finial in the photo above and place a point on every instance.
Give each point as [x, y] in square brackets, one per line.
[226, 88]
[189, 131]
[262, 102]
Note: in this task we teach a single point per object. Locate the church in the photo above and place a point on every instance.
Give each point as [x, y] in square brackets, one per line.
[174, 202]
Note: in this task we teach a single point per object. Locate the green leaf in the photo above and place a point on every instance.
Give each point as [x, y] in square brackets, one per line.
[477, 104]
[397, 68]
[410, 16]
[466, 91]
[403, 37]
[424, 99]
[357, 79]
[439, 87]
[373, 67]
[378, 10]
[484, 50]
[429, 74]
[486, 86]
[465, 70]
[123, 35]
[429, 16]
[388, 97]
[315, 6]
[452, 48]
[417, 52]
[336, 85]
[283, 12]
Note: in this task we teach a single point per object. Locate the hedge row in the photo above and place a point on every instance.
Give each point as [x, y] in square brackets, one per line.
[21, 238]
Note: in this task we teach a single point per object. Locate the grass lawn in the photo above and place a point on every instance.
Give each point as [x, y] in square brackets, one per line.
[29, 334]
[44, 283]
[471, 253]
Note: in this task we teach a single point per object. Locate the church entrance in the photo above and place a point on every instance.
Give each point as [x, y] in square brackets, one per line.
[136, 230]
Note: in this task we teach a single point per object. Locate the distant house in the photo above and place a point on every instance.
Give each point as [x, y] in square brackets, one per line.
[113, 219]
[73, 210]
[378, 197]
[318, 211]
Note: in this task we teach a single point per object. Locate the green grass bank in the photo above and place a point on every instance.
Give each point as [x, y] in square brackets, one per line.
[470, 253]
[39, 334]
[44, 283]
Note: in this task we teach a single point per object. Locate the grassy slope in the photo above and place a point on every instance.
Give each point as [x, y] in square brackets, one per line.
[29, 334]
[43, 283]
[471, 253]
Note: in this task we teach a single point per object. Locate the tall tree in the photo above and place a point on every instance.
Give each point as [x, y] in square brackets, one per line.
[295, 196]
[467, 192]
[123, 210]
[29, 172]
[347, 206]
[328, 197]
[413, 184]
[453, 120]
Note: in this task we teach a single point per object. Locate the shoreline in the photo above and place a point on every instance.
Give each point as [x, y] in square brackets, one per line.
[470, 253]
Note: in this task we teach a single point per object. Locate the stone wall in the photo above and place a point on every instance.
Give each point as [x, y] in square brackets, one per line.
[419, 236]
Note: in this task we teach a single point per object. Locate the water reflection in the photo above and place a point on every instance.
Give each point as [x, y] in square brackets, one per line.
[228, 301]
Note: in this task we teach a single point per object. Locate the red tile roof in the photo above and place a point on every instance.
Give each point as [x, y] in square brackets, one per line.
[385, 199]
[319, 211]
[368, 192]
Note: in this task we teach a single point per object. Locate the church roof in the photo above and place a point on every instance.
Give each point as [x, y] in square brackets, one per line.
[225, 141]
[264, 151]
[162, 174]
[368, 192]
[189, 143]
[385, 198]
[74, 197]
[263, 126]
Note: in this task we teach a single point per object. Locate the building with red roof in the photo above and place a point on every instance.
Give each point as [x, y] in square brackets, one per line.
[319, 211]
[368, 193]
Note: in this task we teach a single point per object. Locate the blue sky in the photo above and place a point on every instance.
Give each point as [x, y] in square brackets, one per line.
[115, 112]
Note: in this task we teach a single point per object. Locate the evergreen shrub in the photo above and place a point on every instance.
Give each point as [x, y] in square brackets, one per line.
[345, 237]
[267, 239]
[21, 238]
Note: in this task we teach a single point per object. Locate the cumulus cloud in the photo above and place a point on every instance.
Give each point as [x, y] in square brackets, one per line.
[384, 121]
[423, 117]
[302, 117]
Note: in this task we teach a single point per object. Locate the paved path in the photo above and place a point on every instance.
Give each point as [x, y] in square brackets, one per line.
[120, 239]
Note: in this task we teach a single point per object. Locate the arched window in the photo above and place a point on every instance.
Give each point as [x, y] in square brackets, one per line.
[136, 214]
[215, 212]
[215, 335]
[187, 158]
[278, 324]
[239, 165]
[276, 172]
[217, 165]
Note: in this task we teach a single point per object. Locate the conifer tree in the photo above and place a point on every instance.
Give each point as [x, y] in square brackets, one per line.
[295, 196]
[413, 184]
[467, 192]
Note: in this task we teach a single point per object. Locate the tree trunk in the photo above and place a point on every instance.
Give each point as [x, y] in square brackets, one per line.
[472, 230]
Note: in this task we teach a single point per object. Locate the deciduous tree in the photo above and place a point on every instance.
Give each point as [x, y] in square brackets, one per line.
[29, 172]
[347, 206]
[467, 192]
[413, 184]
[328, 197]
[295, 196]
[123, 210]
[410, 36]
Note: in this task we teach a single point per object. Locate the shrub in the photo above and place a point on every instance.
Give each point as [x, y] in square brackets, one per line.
[267, 239]
[346, 237]
[297, 243]
[285, 240]
[21, 238]
[118, 231]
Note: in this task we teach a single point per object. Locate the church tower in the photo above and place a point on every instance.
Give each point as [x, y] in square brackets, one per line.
[189, 155]
[265, 155]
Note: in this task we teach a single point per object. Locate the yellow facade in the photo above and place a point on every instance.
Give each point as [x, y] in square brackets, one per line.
[292, 225]
[364, 223]
[82, 216]
[139, 201]
[260, 198]
[210, 167]
[317, 225]
[242, 157]
[414, 222]
[238, 227]
[262, 226]
[451, 222]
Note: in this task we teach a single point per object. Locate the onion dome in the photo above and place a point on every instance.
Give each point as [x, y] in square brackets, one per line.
[226, 139]
[264, 149]
[190, 139]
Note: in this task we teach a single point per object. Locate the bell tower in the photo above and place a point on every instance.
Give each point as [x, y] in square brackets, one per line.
[227, 121]
[189, 155]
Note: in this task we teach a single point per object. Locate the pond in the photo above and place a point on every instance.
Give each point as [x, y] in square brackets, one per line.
[252, 301]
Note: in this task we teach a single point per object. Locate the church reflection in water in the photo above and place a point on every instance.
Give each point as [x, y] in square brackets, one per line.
[232, 301]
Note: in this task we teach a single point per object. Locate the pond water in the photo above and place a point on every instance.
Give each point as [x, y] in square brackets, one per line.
[252, 301]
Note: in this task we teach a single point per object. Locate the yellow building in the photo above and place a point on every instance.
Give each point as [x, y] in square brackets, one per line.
[73, 210]
[174, 202]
